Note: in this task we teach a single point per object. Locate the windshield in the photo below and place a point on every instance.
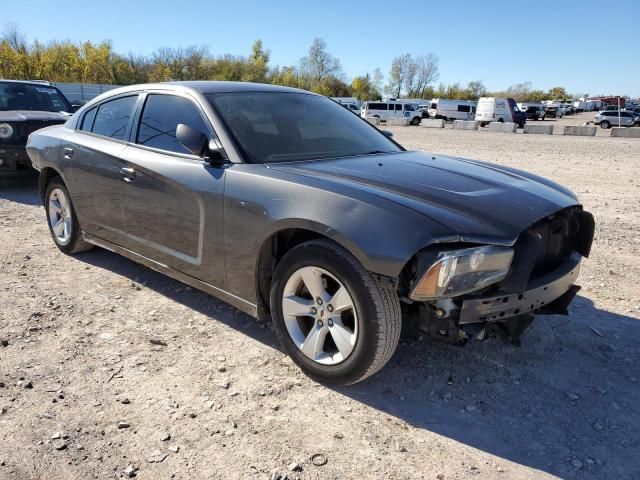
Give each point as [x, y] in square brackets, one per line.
[286, 127]
[24, 96]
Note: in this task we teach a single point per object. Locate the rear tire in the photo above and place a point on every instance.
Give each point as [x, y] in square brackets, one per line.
[62, 219]
[371, 321]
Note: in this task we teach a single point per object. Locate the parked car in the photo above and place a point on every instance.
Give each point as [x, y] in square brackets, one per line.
[610, 118]
[494, 109]
[24, 108]
[553, 111]
[352, 107]
[283, 204]
[452, 109]
[534, 111]
[386, 110]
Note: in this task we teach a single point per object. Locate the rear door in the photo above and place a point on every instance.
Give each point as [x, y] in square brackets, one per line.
[173, 200]
[92, 153]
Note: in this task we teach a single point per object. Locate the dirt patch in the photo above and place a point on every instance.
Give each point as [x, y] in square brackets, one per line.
[110, 370]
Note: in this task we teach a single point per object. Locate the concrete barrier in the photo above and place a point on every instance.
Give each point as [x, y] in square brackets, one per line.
[373, 120]
[465, 125]
[584, 131]
[538, 129]
[432, 122]
[398, 121]
[502, 127]
[624, 132]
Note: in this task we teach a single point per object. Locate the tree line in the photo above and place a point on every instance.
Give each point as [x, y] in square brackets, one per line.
[318, 71]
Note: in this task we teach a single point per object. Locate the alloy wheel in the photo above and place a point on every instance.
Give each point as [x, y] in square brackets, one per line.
[60, 216]
[320, 315]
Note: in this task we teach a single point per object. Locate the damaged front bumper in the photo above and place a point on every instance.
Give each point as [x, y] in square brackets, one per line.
[502, 314]
[541, 295]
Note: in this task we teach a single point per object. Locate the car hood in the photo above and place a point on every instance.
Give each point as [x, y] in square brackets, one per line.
[479, 201]
[32, 115]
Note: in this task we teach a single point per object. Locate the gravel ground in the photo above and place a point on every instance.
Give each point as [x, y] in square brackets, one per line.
[110, 370]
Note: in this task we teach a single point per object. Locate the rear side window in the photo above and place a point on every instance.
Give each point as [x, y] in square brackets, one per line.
[113, 117]
[87, 120]
[160, 118]
[464, 108]
[377, 106]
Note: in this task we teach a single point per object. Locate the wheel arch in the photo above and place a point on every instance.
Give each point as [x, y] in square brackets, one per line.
[46, 175]
[281, 240]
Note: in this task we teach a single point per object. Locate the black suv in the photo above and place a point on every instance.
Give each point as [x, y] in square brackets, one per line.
[24, 108]
[534, 112]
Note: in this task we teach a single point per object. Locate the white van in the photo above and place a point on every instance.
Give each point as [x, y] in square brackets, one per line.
[495, 109]
[452, 109]
[385, 110]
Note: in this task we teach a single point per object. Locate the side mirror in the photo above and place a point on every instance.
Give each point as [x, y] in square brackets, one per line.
[191, 139]
[199, 144]
[75, 107]
[387, 133]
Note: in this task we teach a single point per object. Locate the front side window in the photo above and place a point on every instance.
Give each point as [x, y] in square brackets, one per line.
[286, 127]
[160, 117]
[113, 117]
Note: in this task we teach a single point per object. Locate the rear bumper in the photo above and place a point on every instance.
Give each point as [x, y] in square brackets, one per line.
[13, 159]
[540, 295]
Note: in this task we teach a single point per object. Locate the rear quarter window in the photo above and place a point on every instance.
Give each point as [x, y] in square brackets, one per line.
[87, 120]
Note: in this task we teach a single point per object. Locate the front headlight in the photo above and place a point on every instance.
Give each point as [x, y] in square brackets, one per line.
[457, 272]
[5, 130]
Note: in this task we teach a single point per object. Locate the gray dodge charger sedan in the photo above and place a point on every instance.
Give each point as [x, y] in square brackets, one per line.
[287, 206]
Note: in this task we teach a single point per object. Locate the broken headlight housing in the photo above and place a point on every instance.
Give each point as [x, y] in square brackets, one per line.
[456, 272]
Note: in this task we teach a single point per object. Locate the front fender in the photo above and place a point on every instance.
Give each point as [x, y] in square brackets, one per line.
[381, 234]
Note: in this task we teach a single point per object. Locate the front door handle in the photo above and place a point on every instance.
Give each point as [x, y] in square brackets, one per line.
[68, 153]
[127, 173]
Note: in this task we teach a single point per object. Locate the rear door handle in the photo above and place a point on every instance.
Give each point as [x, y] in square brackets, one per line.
[68, 153]
[127, 173]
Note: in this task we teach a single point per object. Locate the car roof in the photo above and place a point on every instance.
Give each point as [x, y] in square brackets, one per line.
[209, 86]
[29, 82]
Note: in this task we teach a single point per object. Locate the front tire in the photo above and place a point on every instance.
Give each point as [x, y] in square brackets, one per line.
[338, 324]
[605, 124]
[62, 219]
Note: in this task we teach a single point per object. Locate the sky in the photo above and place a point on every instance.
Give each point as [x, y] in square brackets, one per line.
[588, 47]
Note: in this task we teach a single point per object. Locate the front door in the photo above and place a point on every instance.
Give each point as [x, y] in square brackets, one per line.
[172, 200]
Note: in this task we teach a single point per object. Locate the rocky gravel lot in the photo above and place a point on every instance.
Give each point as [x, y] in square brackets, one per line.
[110, 370]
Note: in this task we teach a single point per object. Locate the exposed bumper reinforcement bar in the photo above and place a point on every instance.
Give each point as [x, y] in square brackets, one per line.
[540, 293]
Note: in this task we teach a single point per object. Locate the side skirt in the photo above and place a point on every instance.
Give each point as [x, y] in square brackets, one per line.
[241, 304]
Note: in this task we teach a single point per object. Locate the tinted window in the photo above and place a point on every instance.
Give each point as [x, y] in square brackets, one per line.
[464, 108]
[87, 120]
[398, 106]
[25, 96]
[377, 106]
[286, 127]
[113, 117]
[160, 117]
